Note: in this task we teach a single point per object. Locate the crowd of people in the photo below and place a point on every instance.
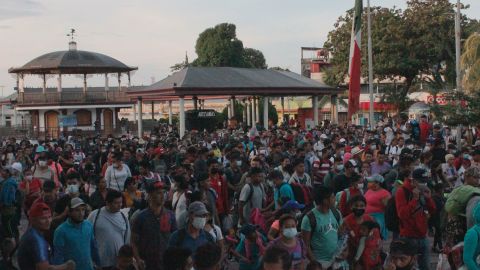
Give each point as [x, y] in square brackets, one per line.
[335, 197]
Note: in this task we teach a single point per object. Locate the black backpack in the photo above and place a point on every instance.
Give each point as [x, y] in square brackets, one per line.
[392, 221]
[313, 220]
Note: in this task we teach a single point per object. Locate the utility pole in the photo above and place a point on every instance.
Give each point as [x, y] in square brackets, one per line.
[457, 63]
[370, 66]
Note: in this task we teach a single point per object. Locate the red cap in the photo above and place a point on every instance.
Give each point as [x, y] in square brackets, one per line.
[39, 209]
[158, 151]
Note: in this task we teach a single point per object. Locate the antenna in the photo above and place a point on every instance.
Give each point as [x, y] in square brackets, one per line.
[71, 34]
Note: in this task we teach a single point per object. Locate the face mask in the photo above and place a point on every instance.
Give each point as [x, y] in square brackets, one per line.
[239, 163]
[360, 186]
[42, 163]
[290, 232]
[373, 147]
[29, 177]
[340, 167]
[371, 186]
[72, 189]
[342, 152]
[199, 222]
[358, 212]
[422, 184]
[104, 150]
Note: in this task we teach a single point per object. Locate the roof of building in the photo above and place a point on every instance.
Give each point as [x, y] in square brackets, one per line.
[73, 61]
[234, 81]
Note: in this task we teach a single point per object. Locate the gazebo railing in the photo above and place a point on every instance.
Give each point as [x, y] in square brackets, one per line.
[72, 97]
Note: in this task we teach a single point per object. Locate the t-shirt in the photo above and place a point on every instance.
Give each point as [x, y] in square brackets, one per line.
[297, 252]
[325, 237]
[112, 231]
[33, 249]
[216, 233]
[115, 177]
[379, 168]
[256, 201]
[375, 200]
[179, 206]
[254, 255]
[43, 175]
[188, 241]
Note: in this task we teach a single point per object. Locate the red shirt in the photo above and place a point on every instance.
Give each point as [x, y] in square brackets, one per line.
[413, 217]
[424, 131]
[343, 203]
[220, 186]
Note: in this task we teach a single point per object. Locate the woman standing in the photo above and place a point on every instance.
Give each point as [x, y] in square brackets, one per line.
[131, 193]
[377, 199]
[117, 173]
[288, 240]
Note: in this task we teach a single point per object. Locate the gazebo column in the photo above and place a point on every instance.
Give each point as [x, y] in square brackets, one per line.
[254, 111]
[232, 105]
[229, 110]
[170, 113]
[244, 112]
[282, 102]
[195, 102]
[15, 116]
[59, 83]
[153, 110]
[134, 113]
[129, 81]
[21, 83]
[265, 113]
[44, 86]
[106, 82]
[257, 112]
[315, 109]
[181, 106]
[120, 82]
[248, 108]
[3, 114]
[84, 84]
[140, 117]
[333, 109]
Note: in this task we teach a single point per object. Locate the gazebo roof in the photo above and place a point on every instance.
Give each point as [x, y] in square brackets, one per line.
[234, 81]
[73, 62]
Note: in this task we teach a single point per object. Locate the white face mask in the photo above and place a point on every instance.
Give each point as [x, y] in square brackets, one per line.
[290, 232]
[340, 167]
[360, 186]
[72, 189]
[42, 163]
[239, 163]
[199, 222]
[29, 177]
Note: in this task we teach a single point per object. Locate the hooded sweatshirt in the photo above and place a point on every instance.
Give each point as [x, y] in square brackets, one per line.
[471, 248]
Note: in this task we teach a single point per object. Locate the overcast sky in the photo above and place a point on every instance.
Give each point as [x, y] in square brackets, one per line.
[155, 34]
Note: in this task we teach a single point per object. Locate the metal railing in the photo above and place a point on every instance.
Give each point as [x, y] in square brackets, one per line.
[73, 97]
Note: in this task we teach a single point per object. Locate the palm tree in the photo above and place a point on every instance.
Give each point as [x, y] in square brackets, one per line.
[470, 62]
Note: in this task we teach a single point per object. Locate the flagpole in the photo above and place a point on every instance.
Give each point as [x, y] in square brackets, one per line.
[370, 66]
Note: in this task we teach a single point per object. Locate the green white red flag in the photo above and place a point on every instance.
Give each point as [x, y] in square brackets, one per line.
[355, 60]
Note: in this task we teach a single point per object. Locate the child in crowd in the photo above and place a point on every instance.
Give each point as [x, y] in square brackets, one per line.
[250, 249]
[370, 247]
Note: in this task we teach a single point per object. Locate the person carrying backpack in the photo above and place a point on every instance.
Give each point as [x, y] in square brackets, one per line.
[252, 196]
[321, 228]
[471, 248]
[414, 205]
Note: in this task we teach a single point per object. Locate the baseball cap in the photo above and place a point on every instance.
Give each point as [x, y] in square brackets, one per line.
[292, 204]
[17, 166]
[375, 178]
[197, 208]
[420, 175]
[40, 149]
[154, 186]
[39, 210]
[76, 202]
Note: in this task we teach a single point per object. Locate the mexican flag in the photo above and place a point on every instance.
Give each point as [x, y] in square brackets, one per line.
[355, 60]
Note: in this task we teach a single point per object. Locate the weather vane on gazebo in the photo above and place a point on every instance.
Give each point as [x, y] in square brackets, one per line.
[72, 34]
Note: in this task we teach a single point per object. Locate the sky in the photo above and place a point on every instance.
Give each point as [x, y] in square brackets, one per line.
[155, 34]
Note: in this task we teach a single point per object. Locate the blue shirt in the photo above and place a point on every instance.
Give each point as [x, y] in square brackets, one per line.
[33, 249]
[75, 242]
[285, 191]
[188, 241]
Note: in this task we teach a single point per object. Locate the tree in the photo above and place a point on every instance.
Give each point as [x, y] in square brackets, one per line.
[220, 47]
[471, 63]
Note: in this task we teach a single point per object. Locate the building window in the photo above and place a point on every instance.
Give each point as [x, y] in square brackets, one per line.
[84, 118]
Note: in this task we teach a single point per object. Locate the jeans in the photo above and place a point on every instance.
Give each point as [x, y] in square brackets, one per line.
[423, 252]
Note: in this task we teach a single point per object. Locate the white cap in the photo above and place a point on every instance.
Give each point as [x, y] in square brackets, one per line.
[17, 166]
[323, 136]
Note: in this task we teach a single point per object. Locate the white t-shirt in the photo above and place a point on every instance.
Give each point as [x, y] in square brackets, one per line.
[115, 177]
[216, 233]
[179, 205]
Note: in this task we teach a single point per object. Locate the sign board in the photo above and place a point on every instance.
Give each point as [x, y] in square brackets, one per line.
[67, 120]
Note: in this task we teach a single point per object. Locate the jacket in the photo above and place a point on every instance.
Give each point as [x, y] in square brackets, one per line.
[471, 248]
[413, 216]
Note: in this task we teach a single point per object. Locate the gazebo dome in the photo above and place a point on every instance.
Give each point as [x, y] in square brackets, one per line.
[73, 61]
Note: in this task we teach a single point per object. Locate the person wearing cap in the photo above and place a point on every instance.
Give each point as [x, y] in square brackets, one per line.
[34, 251]
[117, 173]
[344, 179]
[290, 241]
[8, 200]
[414, 205]
[74, 239]
[151, 229]
[402, 255]
[377, 198]
[194, 234]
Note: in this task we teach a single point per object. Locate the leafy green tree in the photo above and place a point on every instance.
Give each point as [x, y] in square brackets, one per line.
[254, 58]
[471, 63]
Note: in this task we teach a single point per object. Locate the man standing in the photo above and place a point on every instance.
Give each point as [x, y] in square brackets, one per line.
[34, 252]
[151, 229]
[414, 205]
[111, 229]
[74, 239]
[193, 235]
[320, 228]
[252, 195]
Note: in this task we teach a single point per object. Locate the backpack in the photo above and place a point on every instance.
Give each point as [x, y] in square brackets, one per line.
[302, 193]
[313, 220]
[392, 220]
[338, 196]
[458, 199]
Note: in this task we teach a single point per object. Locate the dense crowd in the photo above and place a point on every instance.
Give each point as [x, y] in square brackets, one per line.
[335, 197]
